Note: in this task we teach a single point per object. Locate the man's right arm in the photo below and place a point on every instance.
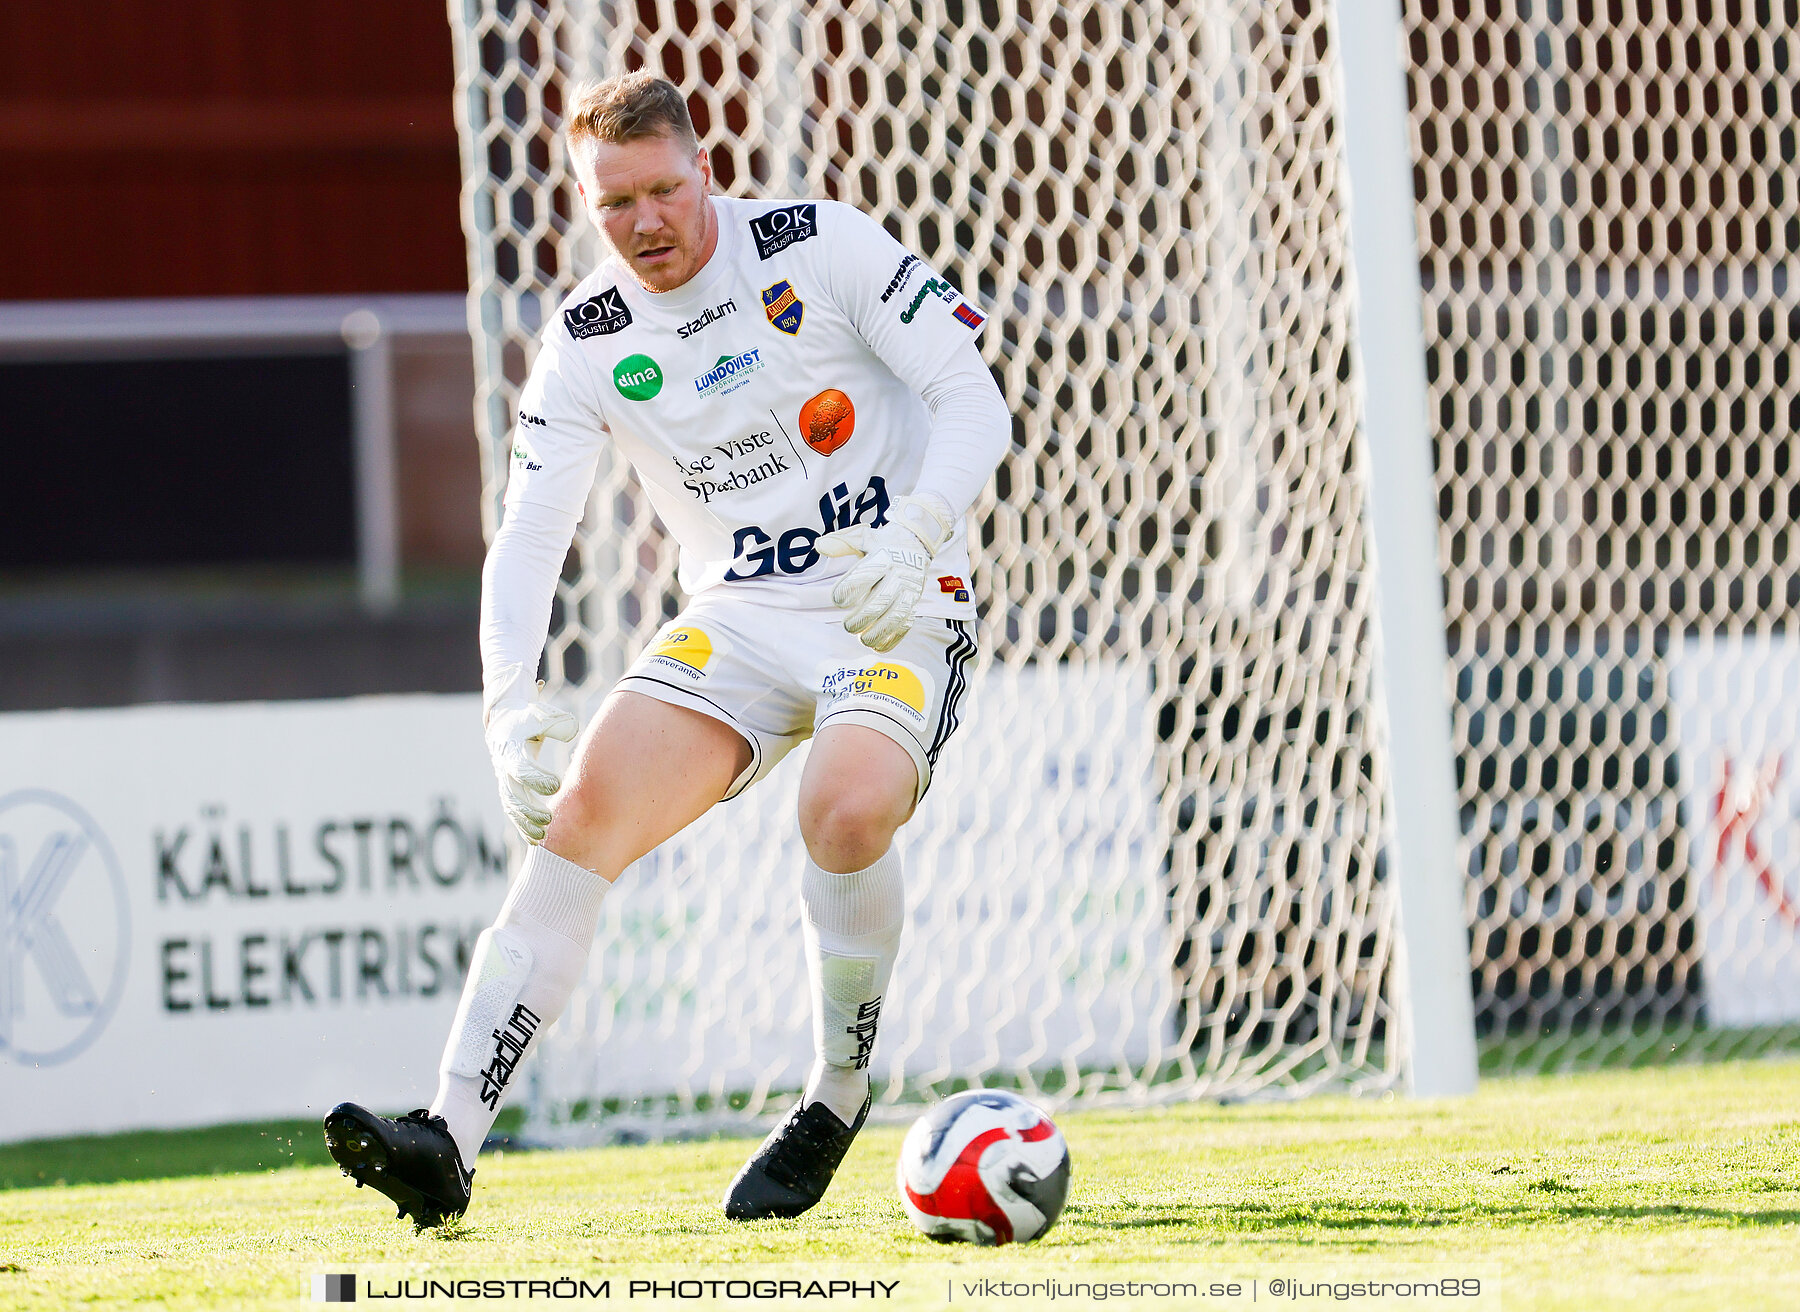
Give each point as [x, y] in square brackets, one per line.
[518, 586]
[555, 448]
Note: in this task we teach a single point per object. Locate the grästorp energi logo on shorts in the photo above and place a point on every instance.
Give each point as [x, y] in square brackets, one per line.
[65, 928]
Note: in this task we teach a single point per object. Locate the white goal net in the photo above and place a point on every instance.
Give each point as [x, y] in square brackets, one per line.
[1151, 864]
[1607, 208]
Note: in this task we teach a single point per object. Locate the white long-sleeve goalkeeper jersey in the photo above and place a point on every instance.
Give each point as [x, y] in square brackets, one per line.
[772, 398]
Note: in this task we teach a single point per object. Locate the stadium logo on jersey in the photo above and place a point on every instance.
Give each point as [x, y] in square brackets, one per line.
[953, 587]
[902, 276]
[827, 421]
[598, 315]
[929, 287]
[779, 229]
[728, 374]
[965, 314]
[784, 307]
[65, 929]
[712, 316]
[638, 378]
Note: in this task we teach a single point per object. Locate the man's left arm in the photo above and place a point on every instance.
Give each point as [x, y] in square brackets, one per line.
[971, 430]
[923, 329]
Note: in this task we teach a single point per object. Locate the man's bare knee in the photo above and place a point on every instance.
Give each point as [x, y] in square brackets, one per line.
[858, 789]
[848, 826]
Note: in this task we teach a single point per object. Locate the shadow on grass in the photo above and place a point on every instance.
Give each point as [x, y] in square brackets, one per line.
[161, 1154]
[173, 1154]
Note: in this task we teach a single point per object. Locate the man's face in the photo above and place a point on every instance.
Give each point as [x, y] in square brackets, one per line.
[650, 198]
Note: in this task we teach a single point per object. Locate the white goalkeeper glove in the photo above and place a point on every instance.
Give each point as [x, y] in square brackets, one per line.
[883, 589]
[516, 728]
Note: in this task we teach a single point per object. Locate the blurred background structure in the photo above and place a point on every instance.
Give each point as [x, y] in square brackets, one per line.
[196, 197]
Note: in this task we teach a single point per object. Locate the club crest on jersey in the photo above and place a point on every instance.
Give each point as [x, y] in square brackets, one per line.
[779, 229]
[784, 307]
[598, 315]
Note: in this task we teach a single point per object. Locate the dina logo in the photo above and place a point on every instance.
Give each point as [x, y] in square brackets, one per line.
[638, 378]
[65, 929]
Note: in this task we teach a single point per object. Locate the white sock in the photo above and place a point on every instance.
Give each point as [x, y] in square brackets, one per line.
[520, 979]
[852, 925]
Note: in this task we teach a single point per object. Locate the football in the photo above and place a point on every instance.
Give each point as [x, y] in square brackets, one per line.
[984, 1167]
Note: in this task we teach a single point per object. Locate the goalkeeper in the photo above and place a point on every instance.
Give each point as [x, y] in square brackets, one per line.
[805, 405]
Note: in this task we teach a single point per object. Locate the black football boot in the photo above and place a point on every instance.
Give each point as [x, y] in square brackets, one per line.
[795, 1163]
[413, 1160]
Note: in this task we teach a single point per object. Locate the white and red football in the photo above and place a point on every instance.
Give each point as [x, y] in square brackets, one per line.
[984, 1167]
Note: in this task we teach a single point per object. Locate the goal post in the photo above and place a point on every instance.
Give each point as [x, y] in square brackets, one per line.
[1156, 863]
[1412, 657]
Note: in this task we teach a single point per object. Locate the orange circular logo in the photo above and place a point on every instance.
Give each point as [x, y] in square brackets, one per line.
[827, 421]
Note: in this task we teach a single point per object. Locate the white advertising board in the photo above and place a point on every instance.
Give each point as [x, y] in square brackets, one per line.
[1739, 707]
[219, 913]
[227, 913]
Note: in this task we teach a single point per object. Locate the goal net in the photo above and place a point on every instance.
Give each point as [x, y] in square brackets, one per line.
[1151, 865]
[1608, 217]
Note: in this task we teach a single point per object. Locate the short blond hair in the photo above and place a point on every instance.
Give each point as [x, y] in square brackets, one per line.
[630, 107]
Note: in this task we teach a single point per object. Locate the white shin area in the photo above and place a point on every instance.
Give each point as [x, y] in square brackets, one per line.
[521, 977]
[852, 924]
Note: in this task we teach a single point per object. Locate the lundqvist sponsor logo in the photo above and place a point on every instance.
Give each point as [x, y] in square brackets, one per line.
[509, 1049]
[712, 316]
[730, 373]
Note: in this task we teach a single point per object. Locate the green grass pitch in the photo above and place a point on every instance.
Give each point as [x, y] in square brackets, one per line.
[1645, 1189]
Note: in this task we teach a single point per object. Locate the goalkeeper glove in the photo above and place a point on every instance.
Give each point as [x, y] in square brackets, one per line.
[882, 589]
[515, 729]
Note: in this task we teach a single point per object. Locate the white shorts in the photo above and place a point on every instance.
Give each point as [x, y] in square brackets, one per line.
[777, 676]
